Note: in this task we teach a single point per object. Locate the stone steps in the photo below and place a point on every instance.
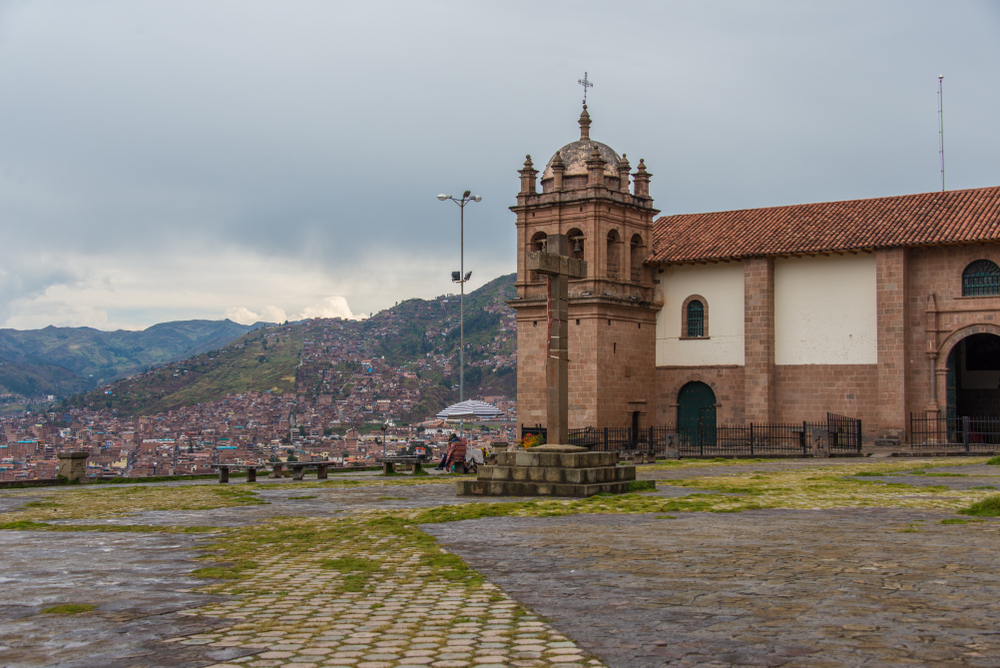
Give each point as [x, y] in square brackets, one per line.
[511, 488]
[557, 475]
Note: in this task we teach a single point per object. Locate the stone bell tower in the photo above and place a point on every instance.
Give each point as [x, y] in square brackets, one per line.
[590, 195]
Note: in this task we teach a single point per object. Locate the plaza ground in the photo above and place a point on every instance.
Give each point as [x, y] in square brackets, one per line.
[861, 562]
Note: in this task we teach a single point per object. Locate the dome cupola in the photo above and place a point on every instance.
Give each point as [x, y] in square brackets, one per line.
[570, 167]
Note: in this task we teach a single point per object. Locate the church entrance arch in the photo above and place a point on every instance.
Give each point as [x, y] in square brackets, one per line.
[973, 380]
[696, 414]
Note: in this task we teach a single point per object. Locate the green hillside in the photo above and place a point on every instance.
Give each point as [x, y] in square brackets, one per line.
[285, 358]
[65, 360]
[250, 363]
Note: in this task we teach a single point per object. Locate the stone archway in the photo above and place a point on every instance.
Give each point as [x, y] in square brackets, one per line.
[972, 380]
[966, 385]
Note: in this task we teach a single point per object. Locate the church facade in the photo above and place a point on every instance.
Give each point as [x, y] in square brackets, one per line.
[875, 309]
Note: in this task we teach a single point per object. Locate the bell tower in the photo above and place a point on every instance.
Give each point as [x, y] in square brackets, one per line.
[590, 195]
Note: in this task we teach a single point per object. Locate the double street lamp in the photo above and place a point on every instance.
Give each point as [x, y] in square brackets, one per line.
[461, 278]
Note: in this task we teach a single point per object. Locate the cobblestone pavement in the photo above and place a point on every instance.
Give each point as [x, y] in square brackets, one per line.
[849, 587]
[331, 574]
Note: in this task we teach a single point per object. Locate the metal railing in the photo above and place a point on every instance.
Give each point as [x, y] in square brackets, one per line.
[966, 432]
[708, 439]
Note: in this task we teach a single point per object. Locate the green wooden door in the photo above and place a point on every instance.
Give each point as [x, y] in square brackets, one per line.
[696, 415]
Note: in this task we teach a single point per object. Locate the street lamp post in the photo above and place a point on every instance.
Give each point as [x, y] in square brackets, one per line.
[461, 278]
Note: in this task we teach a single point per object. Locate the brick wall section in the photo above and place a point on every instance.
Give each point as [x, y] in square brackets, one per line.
[611, 367]
[758, 313]
[726, 382]
[890, 278]
[807, 392]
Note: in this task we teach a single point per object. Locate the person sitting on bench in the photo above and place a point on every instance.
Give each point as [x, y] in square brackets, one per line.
[456, 452]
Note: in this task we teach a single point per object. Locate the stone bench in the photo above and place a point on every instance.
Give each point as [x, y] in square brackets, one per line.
[299, 469]
[277, 470]
[225, 468]
[413, 463]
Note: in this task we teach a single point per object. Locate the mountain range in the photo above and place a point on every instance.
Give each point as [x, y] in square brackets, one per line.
[147, 373]
[63, 361]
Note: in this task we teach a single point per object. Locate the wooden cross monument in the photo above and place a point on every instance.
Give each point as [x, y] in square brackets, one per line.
[558, 267]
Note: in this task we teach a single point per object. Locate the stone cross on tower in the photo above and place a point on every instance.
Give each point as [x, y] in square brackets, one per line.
[556, 264]
[586, 84]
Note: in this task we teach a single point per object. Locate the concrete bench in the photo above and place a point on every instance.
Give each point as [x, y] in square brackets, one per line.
[412, 463]
[225, 468]
[299, 469]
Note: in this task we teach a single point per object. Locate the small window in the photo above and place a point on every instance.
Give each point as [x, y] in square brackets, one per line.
[695, 318]
[981, 278]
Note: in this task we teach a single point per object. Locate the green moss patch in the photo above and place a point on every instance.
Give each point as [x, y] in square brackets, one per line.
[68, 609]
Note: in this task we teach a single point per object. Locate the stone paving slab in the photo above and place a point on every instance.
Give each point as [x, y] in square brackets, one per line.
[137, 582]
[846, 587]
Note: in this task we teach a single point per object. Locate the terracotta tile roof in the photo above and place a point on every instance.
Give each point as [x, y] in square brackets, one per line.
[955, 216]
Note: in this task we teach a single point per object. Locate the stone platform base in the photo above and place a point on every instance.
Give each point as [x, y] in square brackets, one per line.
[551, 470]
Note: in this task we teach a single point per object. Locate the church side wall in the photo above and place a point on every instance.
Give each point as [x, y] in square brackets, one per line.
[807, 392]
[825, 310]
[721, 285]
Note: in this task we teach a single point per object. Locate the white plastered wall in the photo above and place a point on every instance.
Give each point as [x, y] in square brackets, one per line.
[825, 310]
[722, 287]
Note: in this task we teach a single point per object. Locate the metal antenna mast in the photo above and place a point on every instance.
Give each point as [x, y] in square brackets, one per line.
[941, 124]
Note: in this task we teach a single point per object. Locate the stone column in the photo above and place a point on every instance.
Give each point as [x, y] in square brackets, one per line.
[758, 339]
[73, 465]
[890, 282]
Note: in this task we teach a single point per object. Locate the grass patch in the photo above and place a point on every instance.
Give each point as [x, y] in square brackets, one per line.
[390, 498]
[350, 565]
[68, 609]
[24, 525]
[940, 475]
[984, 487]
[665, 517]
[306, 496]
[641, 485]
[41, 504]
[993, 461]
[988, 507]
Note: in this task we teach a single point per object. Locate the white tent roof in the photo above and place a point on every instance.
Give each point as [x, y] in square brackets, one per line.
[471, 409]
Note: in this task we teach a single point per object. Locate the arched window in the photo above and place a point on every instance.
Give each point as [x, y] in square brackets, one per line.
[637, 256]
[981, 278]
[694, 318]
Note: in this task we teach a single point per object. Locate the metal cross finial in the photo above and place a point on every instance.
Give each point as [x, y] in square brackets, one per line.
[586, 84]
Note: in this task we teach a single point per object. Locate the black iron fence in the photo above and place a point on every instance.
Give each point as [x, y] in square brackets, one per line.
[708, 439]
[968, 433]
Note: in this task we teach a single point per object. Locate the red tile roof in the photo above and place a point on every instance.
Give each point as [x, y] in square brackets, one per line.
[952, 217]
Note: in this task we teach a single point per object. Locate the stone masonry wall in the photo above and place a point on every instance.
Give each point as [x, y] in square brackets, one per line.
[758, 286]
[890, 278]
[727, 382]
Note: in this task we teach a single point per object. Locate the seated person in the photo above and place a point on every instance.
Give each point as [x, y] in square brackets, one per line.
[456, 452]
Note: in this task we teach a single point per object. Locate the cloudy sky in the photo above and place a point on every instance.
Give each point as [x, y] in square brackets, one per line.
[167, 160]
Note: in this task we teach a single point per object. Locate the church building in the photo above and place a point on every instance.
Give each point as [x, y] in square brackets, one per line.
[875, 309]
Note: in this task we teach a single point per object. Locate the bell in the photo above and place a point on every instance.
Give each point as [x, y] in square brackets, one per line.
[578, 247]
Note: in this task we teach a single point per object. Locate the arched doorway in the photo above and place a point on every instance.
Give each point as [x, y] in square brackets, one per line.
[696, 415]
[973, 380]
